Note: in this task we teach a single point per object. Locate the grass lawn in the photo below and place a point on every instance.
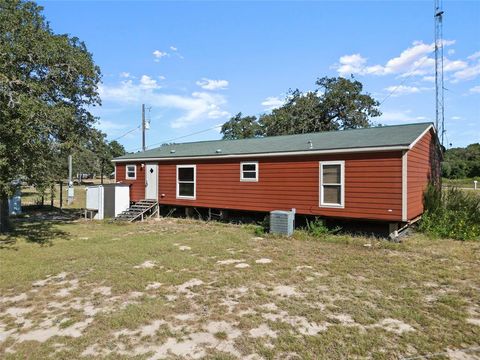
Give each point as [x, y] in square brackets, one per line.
[462, 183]
[30, 196]
[176, 288]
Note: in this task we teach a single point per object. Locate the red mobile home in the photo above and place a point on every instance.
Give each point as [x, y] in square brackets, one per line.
[376, 173]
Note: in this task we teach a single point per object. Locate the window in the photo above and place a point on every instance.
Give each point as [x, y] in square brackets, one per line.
[131, 172]
[332, 184]
[249, 171]
[186, 177]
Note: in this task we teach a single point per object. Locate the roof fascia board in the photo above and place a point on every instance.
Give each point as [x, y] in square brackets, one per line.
[256, 155]
[422, 135]
[437, 142]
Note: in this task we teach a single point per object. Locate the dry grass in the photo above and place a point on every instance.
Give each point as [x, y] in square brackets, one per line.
[174, 288]
[31, 196]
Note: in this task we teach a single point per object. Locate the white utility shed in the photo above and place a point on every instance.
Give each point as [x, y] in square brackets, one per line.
[108, 200]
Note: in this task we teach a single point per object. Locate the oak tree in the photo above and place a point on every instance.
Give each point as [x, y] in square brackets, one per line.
[48, 84]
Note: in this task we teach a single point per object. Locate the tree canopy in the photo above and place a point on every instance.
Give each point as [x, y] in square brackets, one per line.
[241, 127]
[337, 103]
[462, 163]
[48, 83]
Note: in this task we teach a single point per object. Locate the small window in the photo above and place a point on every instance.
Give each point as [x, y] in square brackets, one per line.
[332, 184]
[131, 172]
[249, 171]
[186, 178]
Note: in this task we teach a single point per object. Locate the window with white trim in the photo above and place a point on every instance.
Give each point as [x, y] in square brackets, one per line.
[131, 172]
[332, 184]
[186, 181]
[249, 171]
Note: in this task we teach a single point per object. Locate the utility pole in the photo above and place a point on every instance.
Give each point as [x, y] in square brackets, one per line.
[70, 193]
[439, 85]
[143, 127]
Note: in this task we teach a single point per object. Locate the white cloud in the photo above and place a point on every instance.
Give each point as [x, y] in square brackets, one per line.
[403, 90]
[453, 65]
[429, 78]
[351, 64]
[193, 108]
[161, 77]
[159, 54]
[475, 89]
[173, 48]
[474, 56]
[399, 117]
[109, 126]
[146, 82]
[451, 52]
[456, 118]
[272, 102]
[414, 60]
[125, 75]
[209, 84]
[469, 73]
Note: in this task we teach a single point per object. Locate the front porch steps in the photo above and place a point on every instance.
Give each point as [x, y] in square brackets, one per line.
[139, 211]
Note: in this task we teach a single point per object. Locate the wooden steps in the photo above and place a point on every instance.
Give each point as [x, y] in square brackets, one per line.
[139, 211]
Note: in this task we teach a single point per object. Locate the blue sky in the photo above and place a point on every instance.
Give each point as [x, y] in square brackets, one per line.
[197, 63]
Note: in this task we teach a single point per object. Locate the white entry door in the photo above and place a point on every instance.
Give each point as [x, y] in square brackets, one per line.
[151, 181]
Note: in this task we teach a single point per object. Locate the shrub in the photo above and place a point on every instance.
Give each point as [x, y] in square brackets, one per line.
[263, 227]
[318, 228]
[451, 213]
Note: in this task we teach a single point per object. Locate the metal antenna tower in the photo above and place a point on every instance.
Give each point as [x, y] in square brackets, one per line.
[439, 87]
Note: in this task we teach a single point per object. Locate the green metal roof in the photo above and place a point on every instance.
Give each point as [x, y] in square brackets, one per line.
[382, 136]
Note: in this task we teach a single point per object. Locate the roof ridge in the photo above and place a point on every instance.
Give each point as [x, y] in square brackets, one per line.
[302, 134]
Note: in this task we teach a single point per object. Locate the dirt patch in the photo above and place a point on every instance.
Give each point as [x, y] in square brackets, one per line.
[102, 290]
[153, 286]
[286, 291]
[262, 331]
[473, 321]
[14, 298]
[299, 323]
[263, 261]
[229, 261]
[395, 326]
[242, 266]
[185, 287]
[148, 264]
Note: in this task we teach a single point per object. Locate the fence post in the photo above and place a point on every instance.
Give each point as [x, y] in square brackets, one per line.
[61, 194]
[52, 195]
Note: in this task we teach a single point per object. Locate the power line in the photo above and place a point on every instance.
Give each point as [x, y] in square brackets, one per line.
[180, 137]
[412, 72]
[125, 134]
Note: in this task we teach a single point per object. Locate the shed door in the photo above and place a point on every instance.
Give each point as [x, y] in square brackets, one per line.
[151, 181]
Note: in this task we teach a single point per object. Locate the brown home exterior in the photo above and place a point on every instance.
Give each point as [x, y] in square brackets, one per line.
[366, 174]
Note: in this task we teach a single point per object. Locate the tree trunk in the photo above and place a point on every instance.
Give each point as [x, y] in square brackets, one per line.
[4, 223]
[101, 174]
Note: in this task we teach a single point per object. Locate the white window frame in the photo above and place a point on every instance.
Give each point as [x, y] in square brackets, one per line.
[342, 184]
[194, 182]
[256, 171]
[135, 171]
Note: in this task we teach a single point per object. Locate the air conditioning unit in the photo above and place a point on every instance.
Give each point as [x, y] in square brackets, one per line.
[282, 222]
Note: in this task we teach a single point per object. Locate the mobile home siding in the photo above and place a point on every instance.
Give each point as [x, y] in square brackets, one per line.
[423, 167]
[137, 186]
[373, 185]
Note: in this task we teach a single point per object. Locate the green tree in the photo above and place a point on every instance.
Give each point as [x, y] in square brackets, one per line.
[116, 149]
[462, 162]
[336, 104]
[48, 82]
[241, 127]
